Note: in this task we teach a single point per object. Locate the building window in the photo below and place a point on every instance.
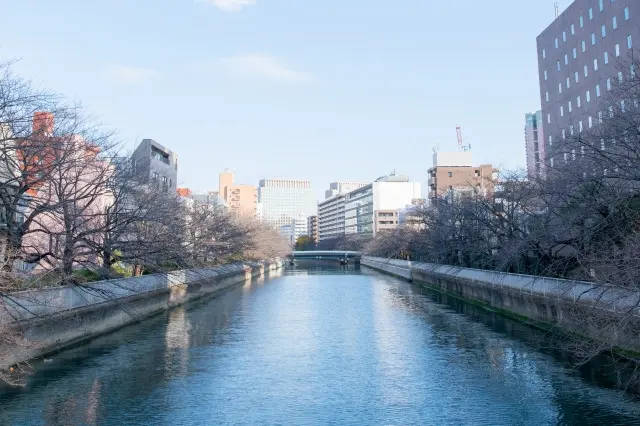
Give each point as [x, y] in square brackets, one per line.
[588, 96]
[578, 102]
[561, 111]
[629, 42]
[575, 53]
[632, 70]
[622, 107]
[564, 134]
[595, 64]
[601, 3]
[580, 126]
[606, 58]
[566, 60]
[550, 140]
[581, 21]
[602, 145]
[576, 76]
[544, 54]
[546, 96]
[593, 39]
[604, 31]
[545, 75]
[556, 42]
[586, 71]
[617, 50]
[564, 36]
[559, 87]
[620, 77]
[615, 22]
[597, 90]
[590, 13]
[599, 117]
[571, 130]
[584, 46]
[568, 83]
[551, 162]
[626, 13]
[548, 118]
[449, 174]
[608, 84]
[573, 29]
[570, 107]
[558, 65]
[610, 111]
[590, 122]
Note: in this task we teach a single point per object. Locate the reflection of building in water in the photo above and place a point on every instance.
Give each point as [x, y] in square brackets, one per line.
[93, 403]
[177, 341]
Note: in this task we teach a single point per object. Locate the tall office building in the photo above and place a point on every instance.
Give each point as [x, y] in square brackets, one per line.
[284, 200]
[534, 144]
[156, 165]
[578, 59]
[240, 199]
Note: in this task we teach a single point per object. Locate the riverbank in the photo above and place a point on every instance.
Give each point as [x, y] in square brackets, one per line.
[35, 323]
[607, 315]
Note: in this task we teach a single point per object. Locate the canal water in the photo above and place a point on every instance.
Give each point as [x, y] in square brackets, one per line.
[316, 345]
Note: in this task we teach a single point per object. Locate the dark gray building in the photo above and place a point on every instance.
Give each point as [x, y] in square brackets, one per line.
[579, 59]
[155, 165]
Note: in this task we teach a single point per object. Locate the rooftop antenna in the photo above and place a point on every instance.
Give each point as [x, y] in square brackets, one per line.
[556, 7]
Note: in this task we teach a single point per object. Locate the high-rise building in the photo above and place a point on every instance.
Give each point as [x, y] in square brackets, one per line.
[312, 227]
[453, 174]
[300, 226]
[579, 55]
[386, 194]
[534, 144]
[240, 199]
[283, 200]
[155, 165]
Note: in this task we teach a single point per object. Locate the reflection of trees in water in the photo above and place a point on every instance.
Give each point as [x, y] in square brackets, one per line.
[512, 349]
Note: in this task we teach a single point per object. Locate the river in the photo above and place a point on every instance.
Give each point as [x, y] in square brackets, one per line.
[316, 345]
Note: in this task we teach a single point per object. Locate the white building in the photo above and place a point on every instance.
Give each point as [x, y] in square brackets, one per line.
[300, 227]
[283, 200]
[367, 208]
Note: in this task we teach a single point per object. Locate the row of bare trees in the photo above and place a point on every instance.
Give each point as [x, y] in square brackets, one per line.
[580, 220]
[70, 200]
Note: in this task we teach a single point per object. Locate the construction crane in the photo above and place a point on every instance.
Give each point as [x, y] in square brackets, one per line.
[460, 145]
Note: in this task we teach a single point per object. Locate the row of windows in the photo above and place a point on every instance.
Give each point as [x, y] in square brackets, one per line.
[587, 98]
[590, 122]
[575, 54]
[603, 30]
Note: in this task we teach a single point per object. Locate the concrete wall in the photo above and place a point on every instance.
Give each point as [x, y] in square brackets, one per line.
[46, 320]
[599, 311]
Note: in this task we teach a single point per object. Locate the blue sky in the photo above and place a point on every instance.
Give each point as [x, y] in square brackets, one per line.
[323, 90]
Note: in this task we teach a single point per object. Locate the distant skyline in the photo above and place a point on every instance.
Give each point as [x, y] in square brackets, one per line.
[325, 91]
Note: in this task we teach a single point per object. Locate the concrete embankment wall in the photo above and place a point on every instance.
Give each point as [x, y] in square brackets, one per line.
[598, 311]
[38, 322]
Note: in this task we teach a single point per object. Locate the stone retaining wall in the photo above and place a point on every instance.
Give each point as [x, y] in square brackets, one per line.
[49, 319]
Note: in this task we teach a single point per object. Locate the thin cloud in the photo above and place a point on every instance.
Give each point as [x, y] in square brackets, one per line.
[265, 66]
[123, 74]
[231, 5]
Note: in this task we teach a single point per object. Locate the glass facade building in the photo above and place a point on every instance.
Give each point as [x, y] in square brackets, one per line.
[284, 200]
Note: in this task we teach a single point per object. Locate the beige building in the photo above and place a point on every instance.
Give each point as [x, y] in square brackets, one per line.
[385, 220]
[452, 174]
[240, 199]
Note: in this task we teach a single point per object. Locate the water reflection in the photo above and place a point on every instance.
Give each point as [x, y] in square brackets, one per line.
[317, 344]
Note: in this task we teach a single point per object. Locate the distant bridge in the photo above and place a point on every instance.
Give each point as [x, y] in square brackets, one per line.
[343, 256]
